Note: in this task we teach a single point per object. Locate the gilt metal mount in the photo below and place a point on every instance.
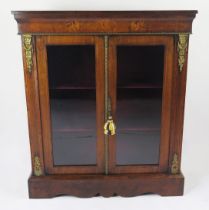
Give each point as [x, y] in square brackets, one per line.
[37, 166]
[182, 48]
[28, 47]
[175, 164]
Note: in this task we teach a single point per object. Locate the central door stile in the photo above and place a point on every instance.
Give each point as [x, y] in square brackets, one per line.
[106, 58]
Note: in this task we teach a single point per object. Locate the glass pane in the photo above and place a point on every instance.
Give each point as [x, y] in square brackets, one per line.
[139, 102]
[71, 72]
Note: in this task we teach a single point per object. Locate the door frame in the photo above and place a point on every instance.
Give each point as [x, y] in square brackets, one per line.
[153, 40]
[41, 43]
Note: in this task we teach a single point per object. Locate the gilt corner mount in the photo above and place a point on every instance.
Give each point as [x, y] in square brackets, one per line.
[28, 47]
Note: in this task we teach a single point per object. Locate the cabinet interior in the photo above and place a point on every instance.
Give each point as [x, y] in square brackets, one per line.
[71, 74]
[139, 103]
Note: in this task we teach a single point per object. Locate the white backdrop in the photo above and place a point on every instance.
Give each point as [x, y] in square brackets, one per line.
[14, 143]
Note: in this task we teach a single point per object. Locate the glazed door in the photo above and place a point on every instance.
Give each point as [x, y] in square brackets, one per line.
[70, 71]
[140, 69]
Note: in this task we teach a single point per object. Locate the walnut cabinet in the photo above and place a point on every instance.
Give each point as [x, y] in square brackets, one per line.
[105, 97]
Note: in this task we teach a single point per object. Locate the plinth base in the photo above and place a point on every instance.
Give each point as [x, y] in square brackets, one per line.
[105, 185]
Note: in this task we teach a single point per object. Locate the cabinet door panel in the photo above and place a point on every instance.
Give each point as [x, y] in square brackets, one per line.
[140, 97]
[71, 102]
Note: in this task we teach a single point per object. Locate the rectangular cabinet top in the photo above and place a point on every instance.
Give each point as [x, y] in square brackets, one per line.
[37, 22]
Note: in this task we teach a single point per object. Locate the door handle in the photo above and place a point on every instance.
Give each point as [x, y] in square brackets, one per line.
[109, 126]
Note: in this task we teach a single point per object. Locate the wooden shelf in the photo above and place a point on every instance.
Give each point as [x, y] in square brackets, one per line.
[139, 129]
[72, 88]
[141, 86]
[69, 130]
[138, 86]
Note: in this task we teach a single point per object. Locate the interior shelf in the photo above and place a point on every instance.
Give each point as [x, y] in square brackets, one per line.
[72, 88]
[141, 86]
[69, 130]
[66, 130]
[132, 86]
